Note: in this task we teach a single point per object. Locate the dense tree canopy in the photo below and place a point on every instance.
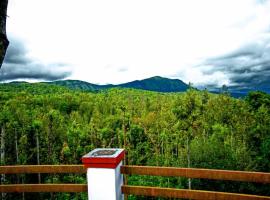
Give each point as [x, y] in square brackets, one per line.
[46, 124]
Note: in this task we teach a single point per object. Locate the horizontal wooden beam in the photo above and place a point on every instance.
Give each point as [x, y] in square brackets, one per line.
[32, 169]
[43, 188]
[245, 176]
[187, 194]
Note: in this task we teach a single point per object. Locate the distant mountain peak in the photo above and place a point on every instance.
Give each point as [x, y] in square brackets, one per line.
[155, 83]
[157, 77]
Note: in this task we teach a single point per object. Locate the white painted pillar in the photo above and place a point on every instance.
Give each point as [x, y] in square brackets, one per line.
[104, 178]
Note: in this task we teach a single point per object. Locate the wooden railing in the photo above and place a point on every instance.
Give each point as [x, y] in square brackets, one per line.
[244, 176]
[187, 194]
[48, 169]
[43, 188]
[140, 190]
[42, 169]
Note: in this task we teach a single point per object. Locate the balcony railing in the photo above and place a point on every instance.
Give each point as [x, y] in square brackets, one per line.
[244, 176]
[41, 169]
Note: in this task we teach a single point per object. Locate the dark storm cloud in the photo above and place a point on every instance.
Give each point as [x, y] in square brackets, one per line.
[16, 53]
[33, 71]
[248, 66]
[18, 65]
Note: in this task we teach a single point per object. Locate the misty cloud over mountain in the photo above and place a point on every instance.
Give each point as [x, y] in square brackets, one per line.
[246, 67]
[18, 65]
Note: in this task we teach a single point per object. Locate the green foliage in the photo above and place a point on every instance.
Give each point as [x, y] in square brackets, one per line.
[222, 132]
[257, 99]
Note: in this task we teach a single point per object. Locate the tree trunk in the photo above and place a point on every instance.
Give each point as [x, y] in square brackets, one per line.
[3, 37]
[2, 157]
[50, 161]
[50, 143]
[3, 145]
[188, 162]
[16, 147]
[17, 160]
[124, 130]
[17, 153]
[38, 160]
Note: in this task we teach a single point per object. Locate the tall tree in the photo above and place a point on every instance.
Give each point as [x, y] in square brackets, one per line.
[3, 121]
[3, 179]
[3, 36]
[36, 126]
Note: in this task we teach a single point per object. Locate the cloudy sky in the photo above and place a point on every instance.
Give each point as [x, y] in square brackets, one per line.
[207, 43]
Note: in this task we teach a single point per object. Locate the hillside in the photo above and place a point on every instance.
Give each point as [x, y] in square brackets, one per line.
[81, 85]
[51, 124]
[157, 83]
[241, 92]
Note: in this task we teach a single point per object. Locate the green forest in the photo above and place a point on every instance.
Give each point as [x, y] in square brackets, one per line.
[47, 124]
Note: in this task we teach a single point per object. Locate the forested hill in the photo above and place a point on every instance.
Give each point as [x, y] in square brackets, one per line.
[48, 124]
[157, 83]
[80, 85]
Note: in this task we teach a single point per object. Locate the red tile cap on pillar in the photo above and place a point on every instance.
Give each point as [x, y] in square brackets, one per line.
[103, 158]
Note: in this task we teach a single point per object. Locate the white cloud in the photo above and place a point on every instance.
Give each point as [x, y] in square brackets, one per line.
[145, 37]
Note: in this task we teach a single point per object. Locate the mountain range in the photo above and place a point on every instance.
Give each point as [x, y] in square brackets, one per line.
[156, 83]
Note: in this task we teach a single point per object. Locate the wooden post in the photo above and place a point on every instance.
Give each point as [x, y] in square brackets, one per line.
[104, 178]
